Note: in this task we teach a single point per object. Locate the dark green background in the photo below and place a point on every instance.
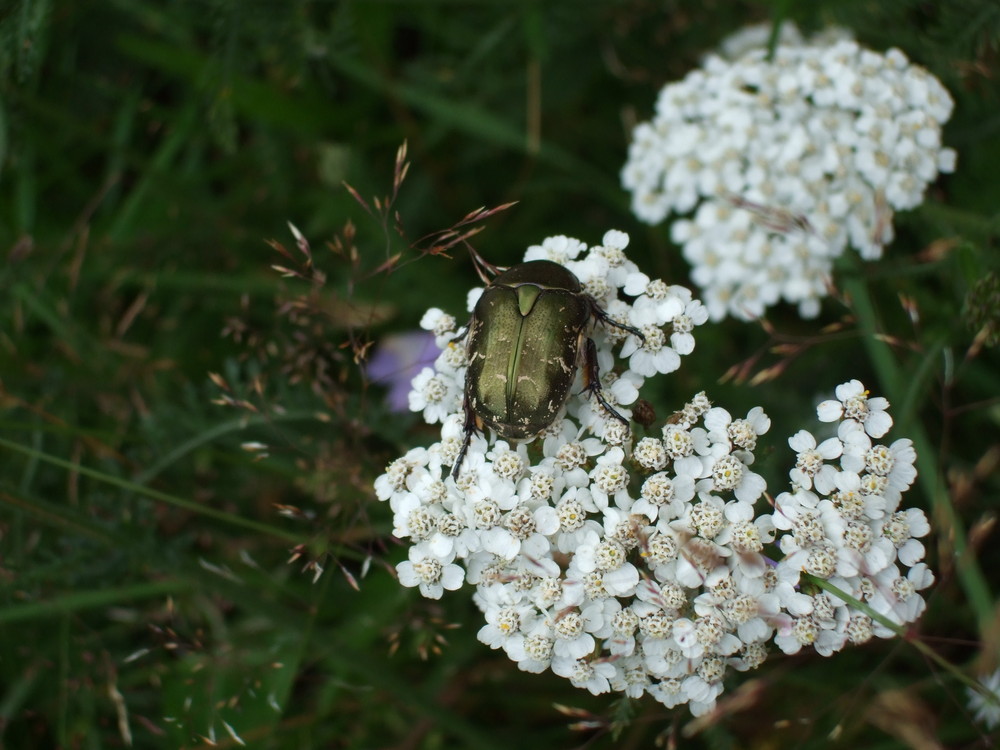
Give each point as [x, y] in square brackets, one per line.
[147, 152]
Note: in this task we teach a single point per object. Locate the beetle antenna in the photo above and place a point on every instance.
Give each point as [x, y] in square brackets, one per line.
[484, 269]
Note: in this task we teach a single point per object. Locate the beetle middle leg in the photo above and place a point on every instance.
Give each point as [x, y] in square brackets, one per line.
[598, 312]
[592, 379]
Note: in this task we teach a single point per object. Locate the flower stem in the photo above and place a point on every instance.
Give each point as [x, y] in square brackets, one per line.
[904, 633]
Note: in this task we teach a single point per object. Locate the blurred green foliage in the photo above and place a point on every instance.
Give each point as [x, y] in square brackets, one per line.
[160, 582]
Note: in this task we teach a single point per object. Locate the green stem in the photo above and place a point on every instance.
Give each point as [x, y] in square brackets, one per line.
[782, 8]
[233, 425]
[903, 633]
[177, 502]
[90, 600]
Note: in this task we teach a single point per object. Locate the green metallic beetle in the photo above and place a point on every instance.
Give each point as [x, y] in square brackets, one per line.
[528, 334]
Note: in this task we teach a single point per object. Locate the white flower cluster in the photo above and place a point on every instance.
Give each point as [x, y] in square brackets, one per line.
[786, 162]
[642, 566]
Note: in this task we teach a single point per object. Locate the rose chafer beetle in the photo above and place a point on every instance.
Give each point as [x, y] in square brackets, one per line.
[529, 333]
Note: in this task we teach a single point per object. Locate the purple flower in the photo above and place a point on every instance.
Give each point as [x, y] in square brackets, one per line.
[398, 358]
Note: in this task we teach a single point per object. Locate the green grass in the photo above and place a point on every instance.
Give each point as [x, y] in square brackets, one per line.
[159, 581]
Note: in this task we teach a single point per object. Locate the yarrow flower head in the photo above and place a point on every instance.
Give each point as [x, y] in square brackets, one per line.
[641, 564]
[785, 162]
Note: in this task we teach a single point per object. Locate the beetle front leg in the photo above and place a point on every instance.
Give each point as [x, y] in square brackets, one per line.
[470, 426]
[592, 378]
[461, 334]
